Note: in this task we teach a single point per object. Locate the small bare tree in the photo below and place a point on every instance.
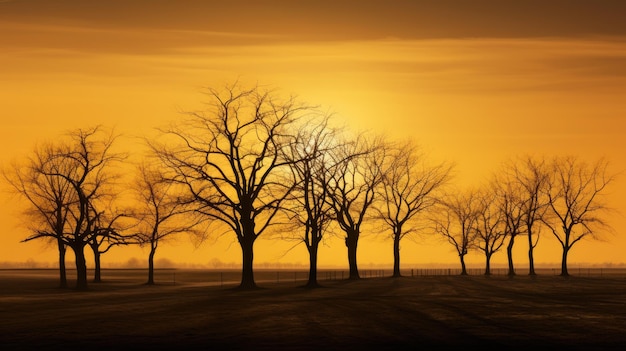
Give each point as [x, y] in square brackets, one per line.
[511, 201]
[490, 226]
[408, 189]
[230, 160]
[575, 193]
[310, 166]
[162, 212]
[455, 220]
[355, 174]
[531, 176]
[107, 232]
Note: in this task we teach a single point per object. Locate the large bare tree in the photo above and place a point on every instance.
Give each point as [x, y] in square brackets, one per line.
[408, 188]
[575, 199]
[355, 174]
[48, 198]
[455, 221]
[230, 159]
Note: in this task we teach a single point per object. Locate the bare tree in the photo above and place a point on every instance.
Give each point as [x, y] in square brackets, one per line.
[230, 159]
[310, 166]
[162, 212]
[490, 226]
[107, 232]
[510, 201]
[408, 189]
[575, 190]
[83, 162]
[49, 198]
[455, 220]
[354, 176]
[530, 175]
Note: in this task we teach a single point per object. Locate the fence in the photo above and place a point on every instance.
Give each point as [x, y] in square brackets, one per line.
[232, 277]
[299, 277]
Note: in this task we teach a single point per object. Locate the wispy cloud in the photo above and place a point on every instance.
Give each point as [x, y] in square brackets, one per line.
[308, 20]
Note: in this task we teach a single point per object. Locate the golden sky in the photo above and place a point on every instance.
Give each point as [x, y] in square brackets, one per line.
[475, 82]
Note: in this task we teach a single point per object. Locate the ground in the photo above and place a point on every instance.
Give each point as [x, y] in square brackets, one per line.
[380, 313]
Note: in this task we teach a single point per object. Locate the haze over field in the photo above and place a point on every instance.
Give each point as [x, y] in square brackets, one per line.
[474, 82]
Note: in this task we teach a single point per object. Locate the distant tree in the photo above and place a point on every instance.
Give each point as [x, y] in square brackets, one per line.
[354, 176]
[455, 221]
[162, 212]
[408, 189]
[230, 160]
[490, 225]
[530, 176]
[310, 166]
[49, 198]
[575, 190]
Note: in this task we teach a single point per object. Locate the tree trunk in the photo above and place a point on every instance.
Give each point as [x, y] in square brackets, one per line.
[62, 270]
[463, 267]
[312, 283]
[97, 277]
[564, 271]
[488, 264]
[352, 240]
[531, 259]
[151, 265]
[396, 254]
[509, 253]
[81, 267]
[247, 272]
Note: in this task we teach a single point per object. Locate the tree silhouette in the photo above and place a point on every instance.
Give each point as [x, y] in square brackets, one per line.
[311, 165]
[83, 162]
[531, 176]
[574, 192]
[161, 211]
[107, 232]
[455, 220]
[230, 160]
[408, 189]
[49, 198]
[354, 176]
[490, 225]
[510, 201]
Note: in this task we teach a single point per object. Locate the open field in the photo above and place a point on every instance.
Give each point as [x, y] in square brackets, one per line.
[195, 310]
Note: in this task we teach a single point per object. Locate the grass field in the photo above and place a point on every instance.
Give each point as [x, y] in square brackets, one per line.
[202, 310]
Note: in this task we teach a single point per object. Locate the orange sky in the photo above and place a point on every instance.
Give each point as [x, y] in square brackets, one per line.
[475, 82]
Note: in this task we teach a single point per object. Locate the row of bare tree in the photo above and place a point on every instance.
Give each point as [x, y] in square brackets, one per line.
[563, 195]
[254, 163]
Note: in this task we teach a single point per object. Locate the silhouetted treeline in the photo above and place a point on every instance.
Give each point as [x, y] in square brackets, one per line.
[257, 163]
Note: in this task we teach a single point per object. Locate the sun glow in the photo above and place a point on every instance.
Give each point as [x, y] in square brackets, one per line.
[476, 100]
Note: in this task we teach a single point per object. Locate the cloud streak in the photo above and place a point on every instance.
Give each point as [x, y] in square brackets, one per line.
[337, 19]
